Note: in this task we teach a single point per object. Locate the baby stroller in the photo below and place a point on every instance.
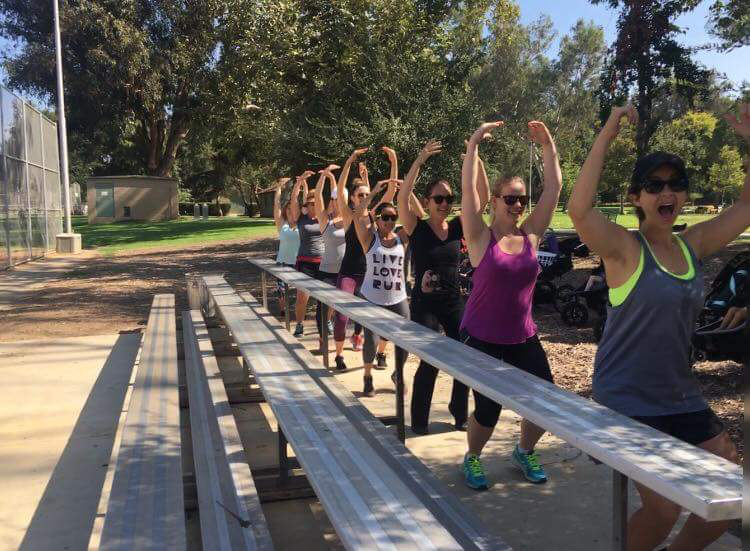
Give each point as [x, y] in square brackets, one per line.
[594, 295]
[556, 259]
[731, 288]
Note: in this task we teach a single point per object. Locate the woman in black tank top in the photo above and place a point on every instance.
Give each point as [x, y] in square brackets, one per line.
[436, 300]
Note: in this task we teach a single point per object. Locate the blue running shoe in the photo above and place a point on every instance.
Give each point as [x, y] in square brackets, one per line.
[299, 330]
[474, 473]
[529, 465]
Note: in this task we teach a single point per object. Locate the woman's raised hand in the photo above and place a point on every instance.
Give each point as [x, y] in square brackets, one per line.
[484, 132]
[356, 153]
[305, 175]
[433, 147]
[539, 133]
[329, 169]
[614, 122]
[741, 123]
[390, 152]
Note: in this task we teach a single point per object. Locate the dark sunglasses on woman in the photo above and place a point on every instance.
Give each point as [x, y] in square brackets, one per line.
[388, 217]
[655, 186]
[440, 198]
[511, 200]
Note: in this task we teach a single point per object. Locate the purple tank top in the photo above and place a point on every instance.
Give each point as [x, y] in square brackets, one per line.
[499, 307]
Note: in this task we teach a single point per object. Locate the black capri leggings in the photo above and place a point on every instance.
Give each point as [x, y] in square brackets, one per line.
[528, 356]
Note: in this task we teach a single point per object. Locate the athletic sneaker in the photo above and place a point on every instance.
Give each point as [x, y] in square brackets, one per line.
[529, 465]
[340, 365]
[369, 389]
[357, 341]
[329, 327]
[381, 363]
[395, 383]
[299, 330]
[474, 472]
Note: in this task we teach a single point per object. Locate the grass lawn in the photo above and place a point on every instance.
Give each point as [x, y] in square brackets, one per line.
[562, 221]
[122, 236]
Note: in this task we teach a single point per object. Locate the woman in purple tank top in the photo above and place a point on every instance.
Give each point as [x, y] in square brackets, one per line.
[497, 319]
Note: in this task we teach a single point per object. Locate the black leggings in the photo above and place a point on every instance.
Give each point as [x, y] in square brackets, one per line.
[329, 278]
[369, 348]
[434, 313]
[528, 356]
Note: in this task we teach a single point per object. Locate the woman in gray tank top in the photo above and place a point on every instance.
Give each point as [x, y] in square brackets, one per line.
[333, 232]
[642, 368]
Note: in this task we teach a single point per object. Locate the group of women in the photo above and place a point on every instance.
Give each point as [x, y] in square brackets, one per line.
[642, 366]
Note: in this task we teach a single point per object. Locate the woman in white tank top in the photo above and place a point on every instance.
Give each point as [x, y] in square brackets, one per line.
[288, 238]
[384, 282]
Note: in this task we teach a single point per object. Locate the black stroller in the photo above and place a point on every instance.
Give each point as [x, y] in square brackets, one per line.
[731, 288]
[593, 296]
[556, 259]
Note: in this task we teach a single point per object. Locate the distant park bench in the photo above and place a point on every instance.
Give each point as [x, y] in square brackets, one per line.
[375, 492]
[695, 479]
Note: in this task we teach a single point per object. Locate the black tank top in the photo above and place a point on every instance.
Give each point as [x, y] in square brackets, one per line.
[354, 262]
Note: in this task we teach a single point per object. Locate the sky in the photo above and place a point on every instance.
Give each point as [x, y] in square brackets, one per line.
[564, 14]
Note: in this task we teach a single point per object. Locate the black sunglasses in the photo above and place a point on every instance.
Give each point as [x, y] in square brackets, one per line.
[512, 199]
[388, 217]
[655, 186]
[440, 198]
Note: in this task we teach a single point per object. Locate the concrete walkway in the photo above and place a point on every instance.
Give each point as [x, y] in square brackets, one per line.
[61, 404]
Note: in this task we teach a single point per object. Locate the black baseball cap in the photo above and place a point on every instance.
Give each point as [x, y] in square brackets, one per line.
[647, 164]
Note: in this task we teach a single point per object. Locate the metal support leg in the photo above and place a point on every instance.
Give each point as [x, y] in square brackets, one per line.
[286, 308]
[264, 291]
[324, 332]
[193, 291]
[283, 459]
[619, 511]
[400, 425]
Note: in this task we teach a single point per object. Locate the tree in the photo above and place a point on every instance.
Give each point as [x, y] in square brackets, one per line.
[690, 137]
[727, 174]
[730, 22]
[647, 57]
[140, 73]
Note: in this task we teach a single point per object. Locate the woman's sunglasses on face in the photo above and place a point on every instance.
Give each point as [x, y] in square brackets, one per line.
[511, 200]
[388, 217]
[656, 186]
[440, 198]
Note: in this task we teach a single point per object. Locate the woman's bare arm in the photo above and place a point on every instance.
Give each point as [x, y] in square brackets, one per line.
[539, 220]
[410, 211]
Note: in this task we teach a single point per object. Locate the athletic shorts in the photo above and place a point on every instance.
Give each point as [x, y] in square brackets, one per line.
[694, 428]
[308, 268]
[528, 356]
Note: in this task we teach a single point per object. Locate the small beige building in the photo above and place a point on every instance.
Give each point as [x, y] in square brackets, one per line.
[118, 198]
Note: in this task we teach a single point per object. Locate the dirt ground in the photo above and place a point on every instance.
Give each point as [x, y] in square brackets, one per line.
[113, 294]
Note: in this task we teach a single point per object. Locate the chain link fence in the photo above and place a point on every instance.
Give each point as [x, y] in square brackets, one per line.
[30, 191]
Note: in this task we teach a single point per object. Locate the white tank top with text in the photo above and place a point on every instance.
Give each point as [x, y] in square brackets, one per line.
[384, 279]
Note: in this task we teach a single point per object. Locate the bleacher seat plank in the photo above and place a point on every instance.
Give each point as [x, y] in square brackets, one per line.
[370, 503]
[230, 512]
[699, 481]
[146, 505]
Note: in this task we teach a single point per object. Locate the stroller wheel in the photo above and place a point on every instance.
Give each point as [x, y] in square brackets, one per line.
[563, 295]
[575, 314]
[544, 292]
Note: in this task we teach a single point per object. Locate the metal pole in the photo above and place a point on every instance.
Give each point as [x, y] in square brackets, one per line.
[264, 292]
[287, 321]
[324, 332]
[61, 127]
[400, 425]
[619, 511]
[283, 458]
[28, 188]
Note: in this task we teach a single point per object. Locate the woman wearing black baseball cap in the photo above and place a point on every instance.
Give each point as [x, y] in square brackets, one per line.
[642, 367]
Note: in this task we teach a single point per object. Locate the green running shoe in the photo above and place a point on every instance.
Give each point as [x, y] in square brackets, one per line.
[529, 465]
[474, 473]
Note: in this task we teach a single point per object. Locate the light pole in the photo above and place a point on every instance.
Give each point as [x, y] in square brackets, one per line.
[67, 242]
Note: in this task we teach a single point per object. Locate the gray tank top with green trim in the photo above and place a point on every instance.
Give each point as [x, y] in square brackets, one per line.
[642, 366]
